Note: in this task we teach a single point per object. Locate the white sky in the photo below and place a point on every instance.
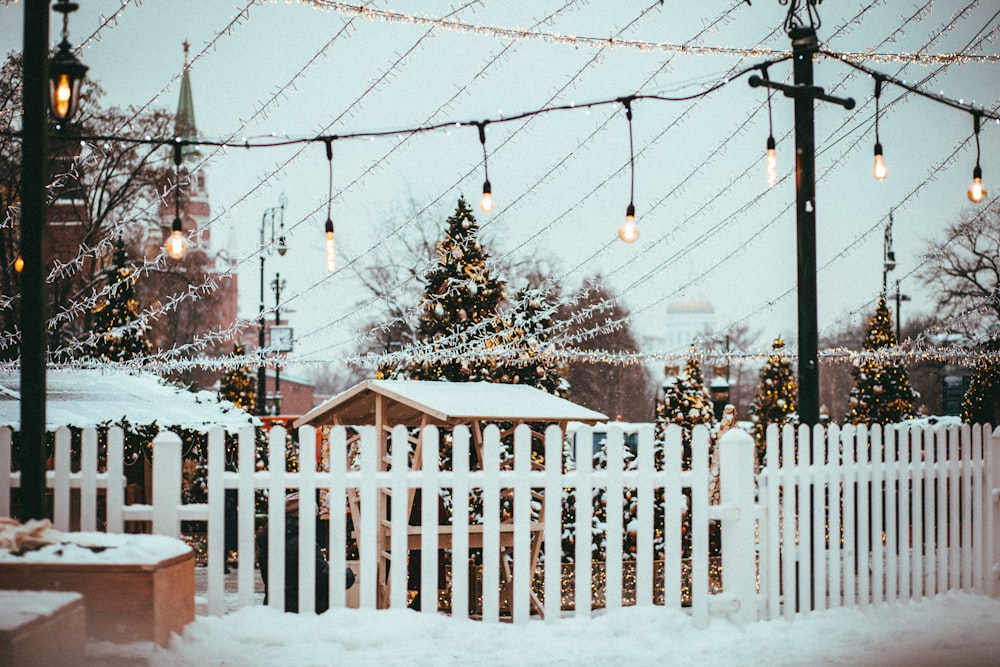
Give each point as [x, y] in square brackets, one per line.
[707, 221]
[953, 629]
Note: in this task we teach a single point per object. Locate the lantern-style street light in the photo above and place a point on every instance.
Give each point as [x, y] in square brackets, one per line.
[66, 73]
[276, 217]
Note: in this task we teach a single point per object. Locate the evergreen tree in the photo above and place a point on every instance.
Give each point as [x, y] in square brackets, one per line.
[460, 293]
[777, 397]
[119, 337]
[528, 326]
[686, 403]
[881, 393]
[238, 385]
[981, 404]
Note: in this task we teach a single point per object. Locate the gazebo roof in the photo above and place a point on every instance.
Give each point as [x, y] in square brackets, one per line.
[412, 402]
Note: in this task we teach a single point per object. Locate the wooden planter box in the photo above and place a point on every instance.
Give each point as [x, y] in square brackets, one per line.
[42, 628]
[124, 602]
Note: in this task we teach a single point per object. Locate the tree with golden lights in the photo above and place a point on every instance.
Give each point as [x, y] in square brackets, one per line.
[238, 386]
[881, 393]
[119, 334]
[981, 404]
[777, 397]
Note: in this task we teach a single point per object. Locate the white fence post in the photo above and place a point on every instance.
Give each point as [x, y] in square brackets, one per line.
[736, 471]
[993, 484]
[166, 484]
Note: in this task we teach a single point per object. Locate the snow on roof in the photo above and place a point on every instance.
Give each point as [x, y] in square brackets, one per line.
[446, 402]
[91, 397]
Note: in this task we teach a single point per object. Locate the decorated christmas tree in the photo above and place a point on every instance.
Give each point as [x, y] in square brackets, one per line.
[981, 404]
[238, 385]
[527, 329]
[119, 336]
[459, 305]
[881, 393]
[686, 403]
[777, 397]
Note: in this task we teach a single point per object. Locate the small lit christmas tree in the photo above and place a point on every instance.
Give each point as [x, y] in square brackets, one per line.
[881, 393]
[238, 386]
[981, 404]
[527, 328]
[777, 397]
[686, 403]
[460, 293]
[119, 336]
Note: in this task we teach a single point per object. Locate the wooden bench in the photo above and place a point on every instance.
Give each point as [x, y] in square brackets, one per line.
[40, 628]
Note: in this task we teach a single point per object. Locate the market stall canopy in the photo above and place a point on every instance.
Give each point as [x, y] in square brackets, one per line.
[91, 397]
[416, 402]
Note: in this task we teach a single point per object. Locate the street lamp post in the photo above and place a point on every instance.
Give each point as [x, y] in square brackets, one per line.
[277, 284]
[276, 216]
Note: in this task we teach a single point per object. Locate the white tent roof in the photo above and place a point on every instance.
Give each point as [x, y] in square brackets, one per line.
[91, 397]
[408, 401]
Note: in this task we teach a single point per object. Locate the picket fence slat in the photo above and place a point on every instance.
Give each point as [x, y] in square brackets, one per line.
[890, 496]
[584, 521]
[644, 524]
[977, 525]
[905, 535]
[491, 524]
[245, 521]
[613, 539]
[216, 518]
[553, 523]
[460, 530]
[835, 488]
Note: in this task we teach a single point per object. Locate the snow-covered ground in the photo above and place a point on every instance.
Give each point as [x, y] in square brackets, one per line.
[952, 629]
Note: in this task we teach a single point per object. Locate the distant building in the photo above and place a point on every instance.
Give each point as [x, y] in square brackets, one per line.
[674, 329]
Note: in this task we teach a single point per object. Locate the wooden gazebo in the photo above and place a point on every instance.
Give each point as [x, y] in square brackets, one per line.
[385, 404]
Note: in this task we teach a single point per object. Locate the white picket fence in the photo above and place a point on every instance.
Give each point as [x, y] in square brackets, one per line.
[878, 516]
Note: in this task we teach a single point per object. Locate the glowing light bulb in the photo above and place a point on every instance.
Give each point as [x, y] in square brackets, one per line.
[977, 191]
[19, 264]
[177, 246]
[629, 231]
[331, 247]
[486, 204]
[880, 172]
[772, 164]
[64, 93]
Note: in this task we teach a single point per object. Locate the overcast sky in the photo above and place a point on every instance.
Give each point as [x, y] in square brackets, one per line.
[708, 223]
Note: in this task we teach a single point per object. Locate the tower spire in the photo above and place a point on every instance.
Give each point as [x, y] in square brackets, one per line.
[184, 123]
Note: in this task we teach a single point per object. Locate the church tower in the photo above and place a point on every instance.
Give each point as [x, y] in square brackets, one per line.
[195, 211]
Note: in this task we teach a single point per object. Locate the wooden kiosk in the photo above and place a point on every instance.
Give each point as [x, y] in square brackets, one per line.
[385, 404]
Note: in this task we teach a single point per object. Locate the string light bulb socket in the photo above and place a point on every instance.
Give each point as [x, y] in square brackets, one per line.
[331, 244]
[879, 171]
[486, 203]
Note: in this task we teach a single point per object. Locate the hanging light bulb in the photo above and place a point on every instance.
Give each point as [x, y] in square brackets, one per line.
[629, 231]
[772, 164]
[486, 204]
[331, 247]
[880, 172]
[977, 191]
[177, 245]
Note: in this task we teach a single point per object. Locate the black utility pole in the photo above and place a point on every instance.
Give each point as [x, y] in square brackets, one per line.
[262, 368]
[804, 45]
[34, 175]
[277, 285]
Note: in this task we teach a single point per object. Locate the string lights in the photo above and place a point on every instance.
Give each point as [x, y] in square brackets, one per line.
[486, 203]
[331, 245]
[177, 245]
[880, 171]
[629, 232]
[771, 160]
[977, 191]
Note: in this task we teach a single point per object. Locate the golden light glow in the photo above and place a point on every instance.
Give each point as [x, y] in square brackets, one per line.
[19, 264]
[64, 94]
[629, 231]
[331, 252]
[772, 168]
[977, 191]
[880, 172]
[486, 203]
[177, 246]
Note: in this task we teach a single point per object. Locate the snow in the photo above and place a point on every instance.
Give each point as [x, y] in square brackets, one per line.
[20, 607]
[102, 548]
[92, 397]
[952, 629]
